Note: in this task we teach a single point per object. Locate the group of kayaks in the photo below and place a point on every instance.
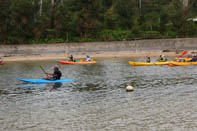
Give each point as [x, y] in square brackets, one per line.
[132, 63]
[169, 63]
[43, 81]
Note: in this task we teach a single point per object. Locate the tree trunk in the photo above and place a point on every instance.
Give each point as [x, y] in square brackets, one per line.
[40, 11]
[52, 13]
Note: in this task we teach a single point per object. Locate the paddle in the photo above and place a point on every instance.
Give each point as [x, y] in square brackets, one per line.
[43, 70]
[185, 52]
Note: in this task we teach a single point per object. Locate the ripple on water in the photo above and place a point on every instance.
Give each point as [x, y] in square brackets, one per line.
[164, 98]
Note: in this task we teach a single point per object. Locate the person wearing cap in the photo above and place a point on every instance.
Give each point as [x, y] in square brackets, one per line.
[56, 75]
[88, 58]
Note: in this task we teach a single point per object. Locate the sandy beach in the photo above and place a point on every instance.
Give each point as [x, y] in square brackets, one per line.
[135, 48]
[64, 56]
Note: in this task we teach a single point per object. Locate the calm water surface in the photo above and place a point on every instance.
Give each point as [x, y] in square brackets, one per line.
[164, 98]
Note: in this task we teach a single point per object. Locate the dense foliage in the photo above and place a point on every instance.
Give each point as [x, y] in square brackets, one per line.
[56, 21]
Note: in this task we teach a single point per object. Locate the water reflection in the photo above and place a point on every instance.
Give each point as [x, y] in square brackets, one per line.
[55, 86]
[32, 86]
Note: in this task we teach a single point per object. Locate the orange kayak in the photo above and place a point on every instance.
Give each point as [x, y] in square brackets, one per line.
[80, 62]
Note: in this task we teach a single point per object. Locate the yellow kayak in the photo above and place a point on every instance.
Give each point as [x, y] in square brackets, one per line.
[186, 59]
[132, 63]
[162, 63]
[182, 63]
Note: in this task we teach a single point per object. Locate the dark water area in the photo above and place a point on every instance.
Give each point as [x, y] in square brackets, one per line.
[164, 98]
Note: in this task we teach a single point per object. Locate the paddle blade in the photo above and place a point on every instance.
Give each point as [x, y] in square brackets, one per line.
[43, 70]
[185, 52]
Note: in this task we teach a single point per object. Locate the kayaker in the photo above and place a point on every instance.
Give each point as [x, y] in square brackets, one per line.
[56, 75]
[71, 58]
[88, 58]
[148, 60]
[194, 59]
[162, 58]
[181, 59]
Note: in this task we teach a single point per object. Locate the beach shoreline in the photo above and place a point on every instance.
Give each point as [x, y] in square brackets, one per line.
[64, 56]
[135, 48]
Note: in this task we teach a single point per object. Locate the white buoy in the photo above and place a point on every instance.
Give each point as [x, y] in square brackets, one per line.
[129, 88]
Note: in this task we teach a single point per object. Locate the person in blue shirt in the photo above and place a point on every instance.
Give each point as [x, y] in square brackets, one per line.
[194, 59]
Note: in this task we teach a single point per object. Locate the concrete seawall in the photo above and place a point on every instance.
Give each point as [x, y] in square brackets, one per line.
[135, 46]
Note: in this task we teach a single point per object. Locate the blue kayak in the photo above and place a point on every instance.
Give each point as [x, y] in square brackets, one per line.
[42, 81]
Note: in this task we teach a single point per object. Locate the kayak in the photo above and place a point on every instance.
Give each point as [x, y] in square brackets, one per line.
[132, 63]
[43, 81]
[162, 63]
[1, 63]
[78, 62]
[182, 63]
[186, 59]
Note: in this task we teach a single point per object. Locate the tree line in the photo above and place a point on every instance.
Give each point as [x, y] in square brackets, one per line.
[57, 21]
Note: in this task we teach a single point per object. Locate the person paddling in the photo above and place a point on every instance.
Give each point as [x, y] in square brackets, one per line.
[88, 58]
[71, 58]
[162, 58]
[148, 60]
[56, 75]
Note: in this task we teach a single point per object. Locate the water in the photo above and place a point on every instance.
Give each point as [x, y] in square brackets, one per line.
[164, 98]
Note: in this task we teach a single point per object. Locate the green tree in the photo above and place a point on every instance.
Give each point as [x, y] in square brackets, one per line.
[128, 13]
[87, 17]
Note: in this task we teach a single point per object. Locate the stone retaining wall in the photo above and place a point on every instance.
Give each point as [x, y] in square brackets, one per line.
[99, 47]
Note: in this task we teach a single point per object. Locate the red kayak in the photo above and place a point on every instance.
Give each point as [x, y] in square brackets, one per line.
[1, 63]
